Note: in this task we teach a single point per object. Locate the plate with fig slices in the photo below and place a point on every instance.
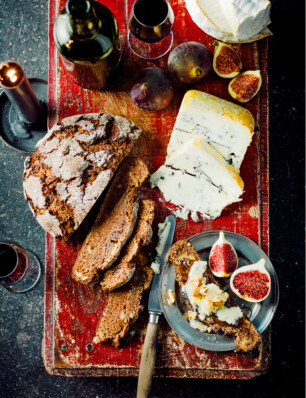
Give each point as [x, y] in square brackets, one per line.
[225, 303]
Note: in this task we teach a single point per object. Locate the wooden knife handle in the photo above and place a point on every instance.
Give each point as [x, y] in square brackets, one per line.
[148, 357]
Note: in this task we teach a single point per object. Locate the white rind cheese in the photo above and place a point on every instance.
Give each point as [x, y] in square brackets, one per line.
[224, 125]
[232, 21]
[198, 179]
[246, 17]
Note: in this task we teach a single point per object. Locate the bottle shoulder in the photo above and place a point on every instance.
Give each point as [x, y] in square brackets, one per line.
[92, 48]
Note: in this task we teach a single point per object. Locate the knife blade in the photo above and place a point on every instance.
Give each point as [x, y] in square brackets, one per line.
[148, 355]
[154, 305]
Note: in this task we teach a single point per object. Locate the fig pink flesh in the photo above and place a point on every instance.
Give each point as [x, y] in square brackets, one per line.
[223, 259]
[253, 284]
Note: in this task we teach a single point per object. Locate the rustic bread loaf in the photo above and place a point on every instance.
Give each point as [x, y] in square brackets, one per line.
[72, 166]
[123, 308]
[121, 272]
[182, 254]
[114, 223]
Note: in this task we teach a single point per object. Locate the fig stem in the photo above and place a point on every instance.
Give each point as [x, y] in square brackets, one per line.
[196, 72]
[144, 86]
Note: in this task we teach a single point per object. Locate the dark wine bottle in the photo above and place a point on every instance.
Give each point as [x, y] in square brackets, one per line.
[87, 37]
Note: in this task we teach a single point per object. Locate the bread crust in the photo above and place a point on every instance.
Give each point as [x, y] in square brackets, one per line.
[124, 269]
[72, 166]
[123, 308]
[114, 224]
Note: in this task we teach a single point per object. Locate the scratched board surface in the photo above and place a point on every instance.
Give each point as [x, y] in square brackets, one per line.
[72, 310]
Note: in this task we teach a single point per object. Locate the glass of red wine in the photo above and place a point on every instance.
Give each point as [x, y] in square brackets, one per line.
[19, 269]
[150, 33]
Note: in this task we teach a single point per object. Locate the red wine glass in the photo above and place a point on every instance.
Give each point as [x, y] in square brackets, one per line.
[20, 269]
[150, 33]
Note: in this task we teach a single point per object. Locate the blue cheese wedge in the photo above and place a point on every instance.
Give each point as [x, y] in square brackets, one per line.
[198, 179]
[224, 125]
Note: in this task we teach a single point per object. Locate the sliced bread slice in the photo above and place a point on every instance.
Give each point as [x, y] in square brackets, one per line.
[183, 255]
[123, 308]
[121, 272]
[114, 223]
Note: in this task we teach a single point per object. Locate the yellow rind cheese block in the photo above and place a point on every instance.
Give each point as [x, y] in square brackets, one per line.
[226, 126]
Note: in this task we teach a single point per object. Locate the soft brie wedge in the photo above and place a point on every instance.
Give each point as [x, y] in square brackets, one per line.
[197, 178]
[226, 126]
[232, 21]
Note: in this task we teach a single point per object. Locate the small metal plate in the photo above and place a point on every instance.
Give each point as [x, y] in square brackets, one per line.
[260, 314]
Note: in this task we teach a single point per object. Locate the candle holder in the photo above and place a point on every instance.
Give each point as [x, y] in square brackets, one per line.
[23, 108]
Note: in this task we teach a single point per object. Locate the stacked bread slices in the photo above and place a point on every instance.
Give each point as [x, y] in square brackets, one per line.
[113, 251]
[207, 146]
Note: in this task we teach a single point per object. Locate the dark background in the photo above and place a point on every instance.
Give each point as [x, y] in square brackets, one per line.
[24, 38]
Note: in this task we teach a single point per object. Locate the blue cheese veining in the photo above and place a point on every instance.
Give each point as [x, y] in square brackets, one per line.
[198, 179]
[226, 126]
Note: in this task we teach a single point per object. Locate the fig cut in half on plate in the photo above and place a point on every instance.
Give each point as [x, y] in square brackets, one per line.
[245, 86]
[226, 61]
[251, 282]
[223, 259]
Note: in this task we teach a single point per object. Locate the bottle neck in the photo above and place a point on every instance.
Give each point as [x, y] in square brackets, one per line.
[83, 19]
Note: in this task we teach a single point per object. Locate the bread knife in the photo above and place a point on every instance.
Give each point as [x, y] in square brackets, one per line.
[148, 355]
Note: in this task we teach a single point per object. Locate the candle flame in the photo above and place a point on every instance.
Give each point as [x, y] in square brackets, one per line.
[11, 74]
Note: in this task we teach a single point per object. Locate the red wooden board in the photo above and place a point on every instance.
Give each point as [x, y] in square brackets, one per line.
[72, 310]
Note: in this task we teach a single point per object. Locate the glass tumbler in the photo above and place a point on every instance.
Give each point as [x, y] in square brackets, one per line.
[20, 270]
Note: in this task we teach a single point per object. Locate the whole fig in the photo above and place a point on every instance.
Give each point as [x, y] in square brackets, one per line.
[189, 62]
[153, 89]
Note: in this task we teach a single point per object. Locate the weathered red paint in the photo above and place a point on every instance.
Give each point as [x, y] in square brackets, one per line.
[72, 310]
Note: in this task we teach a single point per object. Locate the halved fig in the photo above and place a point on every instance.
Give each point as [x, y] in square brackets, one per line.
[223, 259]
[245, 86]
[226, 62]
[251, 282]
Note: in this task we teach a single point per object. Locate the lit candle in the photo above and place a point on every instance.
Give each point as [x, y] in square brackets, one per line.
[18, 89]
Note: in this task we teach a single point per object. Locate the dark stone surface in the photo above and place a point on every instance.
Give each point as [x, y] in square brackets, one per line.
[23, 38]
